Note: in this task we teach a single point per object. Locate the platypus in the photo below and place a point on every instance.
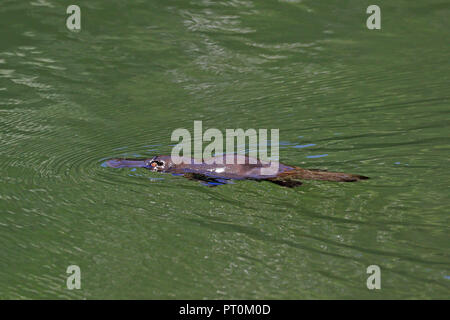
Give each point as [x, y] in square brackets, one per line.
[217, 170]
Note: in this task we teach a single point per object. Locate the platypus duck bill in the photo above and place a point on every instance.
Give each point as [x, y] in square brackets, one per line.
[127, 163]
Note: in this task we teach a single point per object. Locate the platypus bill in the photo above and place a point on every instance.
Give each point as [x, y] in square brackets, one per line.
[211, 173]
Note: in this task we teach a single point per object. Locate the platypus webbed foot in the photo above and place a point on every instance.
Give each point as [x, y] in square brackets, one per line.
[205, 180]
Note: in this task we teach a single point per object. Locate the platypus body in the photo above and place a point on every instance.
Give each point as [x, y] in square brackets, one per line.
[220, 170]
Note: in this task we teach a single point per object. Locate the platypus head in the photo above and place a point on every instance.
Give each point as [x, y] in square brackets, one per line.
[157, 163]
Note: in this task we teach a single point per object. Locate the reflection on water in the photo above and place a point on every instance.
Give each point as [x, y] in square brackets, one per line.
[344, 98]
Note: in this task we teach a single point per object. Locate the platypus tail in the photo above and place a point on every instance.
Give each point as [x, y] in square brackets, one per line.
[290, 178]
[316, 174]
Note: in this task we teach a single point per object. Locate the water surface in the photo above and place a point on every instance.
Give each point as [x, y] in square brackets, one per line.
[345, 98]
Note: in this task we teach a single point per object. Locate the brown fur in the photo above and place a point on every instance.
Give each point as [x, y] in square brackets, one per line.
[290, 178]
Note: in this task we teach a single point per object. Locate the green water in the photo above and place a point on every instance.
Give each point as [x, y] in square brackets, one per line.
[345, 98]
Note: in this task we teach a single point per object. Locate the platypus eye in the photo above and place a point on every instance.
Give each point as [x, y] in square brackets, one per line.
[156, 163]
